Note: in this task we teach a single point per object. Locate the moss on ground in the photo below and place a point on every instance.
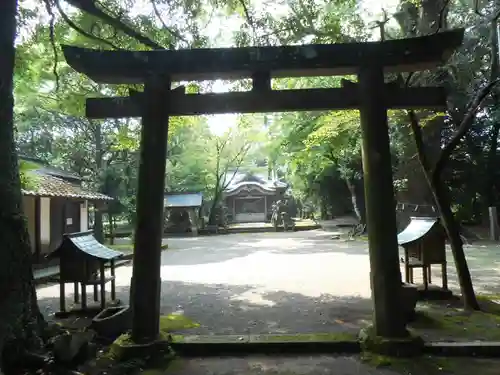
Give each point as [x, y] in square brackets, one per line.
[437, 321]
[168, 323]
[176, 322]
[429, 365]
[409, 346]
[418, 365]
[162, 369]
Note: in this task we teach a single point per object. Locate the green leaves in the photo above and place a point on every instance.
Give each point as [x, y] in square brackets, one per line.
[29, 181]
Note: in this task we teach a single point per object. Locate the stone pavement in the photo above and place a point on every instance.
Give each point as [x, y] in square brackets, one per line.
[328, 365]
[276, 365]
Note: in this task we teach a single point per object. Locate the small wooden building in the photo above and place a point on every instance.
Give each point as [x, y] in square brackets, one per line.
[182, 212]
[249, 196]
[57, 204]
[82, 262]
[424, 244]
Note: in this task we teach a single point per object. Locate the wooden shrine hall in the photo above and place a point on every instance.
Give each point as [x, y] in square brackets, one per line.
[160, 99]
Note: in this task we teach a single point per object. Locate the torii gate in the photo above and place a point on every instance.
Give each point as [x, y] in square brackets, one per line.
[372, 96]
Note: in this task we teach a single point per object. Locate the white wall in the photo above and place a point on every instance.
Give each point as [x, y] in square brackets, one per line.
[29, 213]
[45, 221]
[84, 216]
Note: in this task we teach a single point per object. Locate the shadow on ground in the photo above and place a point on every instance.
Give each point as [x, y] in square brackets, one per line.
[224, 309]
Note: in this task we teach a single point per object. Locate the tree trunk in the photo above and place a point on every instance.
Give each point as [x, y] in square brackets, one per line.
[354, 199]
[452, 228]
[20, 318]
[111, 228]
[491, 166]
[212, 217]
[433, 17]
[492, 152]
[323, 209]
[360, 194]
[98, 220]
[441, 197]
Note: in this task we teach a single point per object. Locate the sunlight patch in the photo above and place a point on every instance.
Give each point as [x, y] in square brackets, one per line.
[254, 298]
[176, 322]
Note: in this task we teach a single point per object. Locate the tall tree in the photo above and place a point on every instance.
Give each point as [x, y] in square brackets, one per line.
[431, 17]
[20, 318]
[231, 149]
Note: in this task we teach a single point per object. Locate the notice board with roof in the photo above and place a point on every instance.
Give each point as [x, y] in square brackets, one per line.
[82, 261]
[424, 242]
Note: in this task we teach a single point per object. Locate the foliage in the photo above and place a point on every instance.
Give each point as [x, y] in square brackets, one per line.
[29, 181]
[315, 152]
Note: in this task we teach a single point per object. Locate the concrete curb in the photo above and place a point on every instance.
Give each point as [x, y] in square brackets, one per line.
[228, 345]
[271, 229]
[488, 349]
[206, 349]
[204, 232]
[229, 348]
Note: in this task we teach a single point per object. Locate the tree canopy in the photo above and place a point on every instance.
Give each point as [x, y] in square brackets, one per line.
[312, 151]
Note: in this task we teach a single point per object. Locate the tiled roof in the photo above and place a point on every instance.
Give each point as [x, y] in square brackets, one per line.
[242, 178]
[183, 200]
[50, 186]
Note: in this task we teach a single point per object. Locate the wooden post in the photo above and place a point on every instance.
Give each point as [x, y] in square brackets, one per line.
[146, 281]
[113, 281]
[380, 205]
[193, 221]
[62, 296]
[76, 297]
[102, 279]
[494, 230]
[265, 208]
[38, 230]
[261, 81]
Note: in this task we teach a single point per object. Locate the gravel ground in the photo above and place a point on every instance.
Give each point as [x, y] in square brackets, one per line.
[302, 282]
[275, 282]
[258, 283]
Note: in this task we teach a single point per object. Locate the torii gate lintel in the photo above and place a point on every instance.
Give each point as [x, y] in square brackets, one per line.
[372, 96]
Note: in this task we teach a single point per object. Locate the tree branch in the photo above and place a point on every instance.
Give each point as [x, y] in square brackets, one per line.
[463, 128]
[89, 7]
[419, 141]
[79, 30]
[172, 32]
[53, 40]
[249, 19]
[225, 184]
[381, 25]
[476, 9]
[441, 17]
